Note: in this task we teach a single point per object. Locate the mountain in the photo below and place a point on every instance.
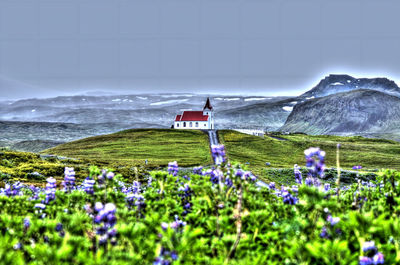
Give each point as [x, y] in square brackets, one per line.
[267, 115]
[156, 109]
[333, 84]
[359, 112]
[36, 136]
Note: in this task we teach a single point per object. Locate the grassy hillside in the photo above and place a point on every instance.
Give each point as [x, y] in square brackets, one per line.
[159, 146]
[33, 169]
[286, 150]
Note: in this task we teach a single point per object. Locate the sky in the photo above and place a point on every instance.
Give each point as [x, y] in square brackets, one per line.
[263, 47]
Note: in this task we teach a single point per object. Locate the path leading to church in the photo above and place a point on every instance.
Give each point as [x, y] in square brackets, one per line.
[212, 136]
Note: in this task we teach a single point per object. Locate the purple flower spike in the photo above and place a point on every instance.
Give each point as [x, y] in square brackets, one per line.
[378, 258]
[164, 226]
[173, 168]
[369, 245]
[333, 220]
[40, 206]
[316, 167]
[110, 175]
[365, 260]
[297, 174]
[27, 223]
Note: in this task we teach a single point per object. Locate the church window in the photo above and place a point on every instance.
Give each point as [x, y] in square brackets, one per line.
[197, 124]
[190, 124]
[184, 124]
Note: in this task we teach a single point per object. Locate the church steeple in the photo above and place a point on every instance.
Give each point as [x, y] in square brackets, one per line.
[208, 105]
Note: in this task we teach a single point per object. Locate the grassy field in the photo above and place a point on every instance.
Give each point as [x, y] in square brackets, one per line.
[125, 152]
[288, 150]
[159, 146]
[128, 149]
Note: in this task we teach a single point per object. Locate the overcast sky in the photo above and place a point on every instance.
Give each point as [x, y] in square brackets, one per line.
[52, 47]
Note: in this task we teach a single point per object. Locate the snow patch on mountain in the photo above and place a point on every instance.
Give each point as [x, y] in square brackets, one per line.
[287, 108]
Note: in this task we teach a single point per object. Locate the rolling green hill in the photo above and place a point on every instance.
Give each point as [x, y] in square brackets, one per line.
[159, 146]
[284, 151]
[128, 149]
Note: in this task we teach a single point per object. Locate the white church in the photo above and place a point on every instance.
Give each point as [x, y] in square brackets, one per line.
[202, 120]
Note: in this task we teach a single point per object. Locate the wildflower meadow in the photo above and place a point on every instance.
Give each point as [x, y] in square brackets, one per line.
[221, 214]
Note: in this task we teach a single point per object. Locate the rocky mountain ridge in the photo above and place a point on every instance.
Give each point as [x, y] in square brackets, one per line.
[359, 112]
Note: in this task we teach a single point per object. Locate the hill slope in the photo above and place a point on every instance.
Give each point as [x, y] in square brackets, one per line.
[359, 112]
[289, 150]
[267, 115]
[159, 146]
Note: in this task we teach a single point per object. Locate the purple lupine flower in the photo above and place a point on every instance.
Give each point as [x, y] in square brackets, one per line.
[297, 174]
[59, 227]
[228, 182]
[149, 181]
[177, 223]
[40, 206]
[27, 223]
[365, 260]
[239, 173]
[13, 190]
[173, 168]
[174, 256]
[50, 190]
[218, 152]
[378, 258]
[245, 175]
[357, 167]
[98, 206]
[198, 170]
[165, 257]
[103, 240]
[324, 233]
[110, 175]
[272, 185]
[106, 220]
[369, 245]
[17, 246]
[215, 175]
[288, 198]
[309, 181]
[164, 226]
[327, 187]
[316, 167]
[69, 178]
[333, 220]
[110, 208]
[88, 185]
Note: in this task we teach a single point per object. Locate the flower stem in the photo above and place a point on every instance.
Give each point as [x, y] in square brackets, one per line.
[238, 227]
[338, 170]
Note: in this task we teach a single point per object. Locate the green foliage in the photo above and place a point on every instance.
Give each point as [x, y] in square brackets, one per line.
[272, 232]
[31, 168]
[285, 175]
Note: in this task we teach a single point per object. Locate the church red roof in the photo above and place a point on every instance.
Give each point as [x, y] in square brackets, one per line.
[192, 116]
[178, 117]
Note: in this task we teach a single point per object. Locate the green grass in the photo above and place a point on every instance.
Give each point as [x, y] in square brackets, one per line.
[159, 146]
[125, 150]
[370, 153]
